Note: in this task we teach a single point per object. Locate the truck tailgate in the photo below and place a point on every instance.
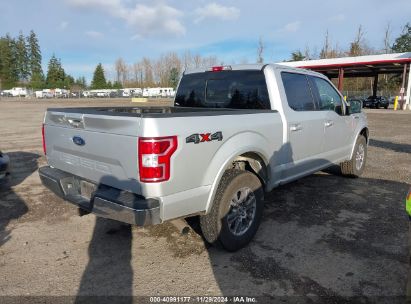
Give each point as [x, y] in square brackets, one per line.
[99, 148]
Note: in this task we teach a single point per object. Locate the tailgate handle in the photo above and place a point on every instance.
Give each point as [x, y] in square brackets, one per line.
[75, 122]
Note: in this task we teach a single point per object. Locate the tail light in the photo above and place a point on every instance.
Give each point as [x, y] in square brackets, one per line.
[154, 155]
[44, 140]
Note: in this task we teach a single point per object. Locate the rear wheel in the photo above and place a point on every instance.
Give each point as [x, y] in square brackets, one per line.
[236, 212]
[386, 107]
[355, 166]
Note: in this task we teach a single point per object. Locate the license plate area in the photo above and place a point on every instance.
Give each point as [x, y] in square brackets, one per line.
[87, 189]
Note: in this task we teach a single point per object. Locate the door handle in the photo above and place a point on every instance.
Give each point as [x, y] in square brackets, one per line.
[296, 127]
[328, 123]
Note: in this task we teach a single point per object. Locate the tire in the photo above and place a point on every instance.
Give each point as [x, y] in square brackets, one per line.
[355, 166]
[219, 226]
[386, 107]
[377, 106]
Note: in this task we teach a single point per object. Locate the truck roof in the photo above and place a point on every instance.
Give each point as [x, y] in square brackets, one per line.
[255, 66]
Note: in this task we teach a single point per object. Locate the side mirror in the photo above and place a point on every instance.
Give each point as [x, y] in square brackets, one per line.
[355, 106]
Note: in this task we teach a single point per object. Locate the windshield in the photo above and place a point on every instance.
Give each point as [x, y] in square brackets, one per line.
[225, 89]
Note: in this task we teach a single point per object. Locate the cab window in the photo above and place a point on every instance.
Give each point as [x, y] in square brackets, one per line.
[298, 92]
[328, 98]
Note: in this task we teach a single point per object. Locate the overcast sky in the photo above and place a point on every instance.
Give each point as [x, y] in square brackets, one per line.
[85, 32]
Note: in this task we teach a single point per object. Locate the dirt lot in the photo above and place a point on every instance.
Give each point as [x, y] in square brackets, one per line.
[324, 235]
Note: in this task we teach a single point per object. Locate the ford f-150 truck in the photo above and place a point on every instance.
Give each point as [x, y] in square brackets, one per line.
[233, 133]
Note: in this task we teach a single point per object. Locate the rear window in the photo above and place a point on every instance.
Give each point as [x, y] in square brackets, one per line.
[224, 89]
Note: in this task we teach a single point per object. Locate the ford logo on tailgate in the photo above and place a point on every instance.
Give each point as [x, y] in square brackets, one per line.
[78, 141]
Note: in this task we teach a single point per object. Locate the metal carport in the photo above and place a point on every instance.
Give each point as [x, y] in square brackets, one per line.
[364, 66]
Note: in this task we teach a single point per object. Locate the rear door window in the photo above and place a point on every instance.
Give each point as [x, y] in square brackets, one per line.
[298, 92]
[225, 89]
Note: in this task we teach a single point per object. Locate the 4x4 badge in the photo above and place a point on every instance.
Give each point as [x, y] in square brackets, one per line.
[204, 137]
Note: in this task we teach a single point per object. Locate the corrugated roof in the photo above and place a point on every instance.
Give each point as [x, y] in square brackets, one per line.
[352, 61]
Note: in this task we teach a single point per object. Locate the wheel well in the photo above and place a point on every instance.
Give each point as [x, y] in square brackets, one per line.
[253, 163]
[364, 132]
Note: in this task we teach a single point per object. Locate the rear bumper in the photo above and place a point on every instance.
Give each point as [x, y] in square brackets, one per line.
[104, 201]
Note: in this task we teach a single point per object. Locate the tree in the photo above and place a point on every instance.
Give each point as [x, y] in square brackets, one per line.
[99, 80]
[327, 50]
[68, 81]
[81, 83]
[117, 85]
[34, 54]
[121, 70]
[356, 47]
[148, 72]
[297, 56]
[56, 75]
[22, 59]
[138, 73]
[8, 67]
[174, 77]
[403, 43]
[387, 39]
[260, 51]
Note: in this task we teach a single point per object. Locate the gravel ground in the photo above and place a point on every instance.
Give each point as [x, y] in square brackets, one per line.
[324, 238]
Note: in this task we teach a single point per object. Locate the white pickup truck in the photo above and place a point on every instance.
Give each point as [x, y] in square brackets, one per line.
[234, 133]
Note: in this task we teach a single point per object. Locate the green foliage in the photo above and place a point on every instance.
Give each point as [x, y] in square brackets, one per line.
[297, 56]
[34, 53]
[56, 77]
[99, 80]
[22, 59]
[8, 68]
[117, 85]
[174, 77]
[403, 43]
[81, 83]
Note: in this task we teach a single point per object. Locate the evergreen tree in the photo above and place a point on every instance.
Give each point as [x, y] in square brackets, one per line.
[8, 67]
[403, 43]
[55, 74]
[34, 53]
[99, 80]
[68, 81]
[22, 59]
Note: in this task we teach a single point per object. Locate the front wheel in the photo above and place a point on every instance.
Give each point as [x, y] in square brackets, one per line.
[236, 212]
[355, 166]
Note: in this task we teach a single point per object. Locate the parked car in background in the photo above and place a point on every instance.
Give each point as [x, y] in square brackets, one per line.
[4, 166]
[376, 102]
